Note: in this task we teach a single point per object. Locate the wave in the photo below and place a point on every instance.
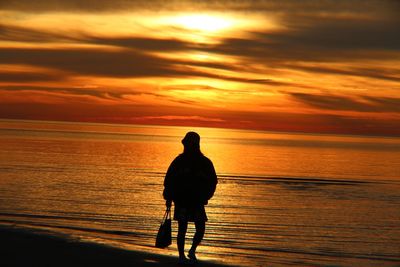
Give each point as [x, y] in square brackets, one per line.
[241, 178]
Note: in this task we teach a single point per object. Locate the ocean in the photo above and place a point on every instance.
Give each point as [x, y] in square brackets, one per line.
[283, 199]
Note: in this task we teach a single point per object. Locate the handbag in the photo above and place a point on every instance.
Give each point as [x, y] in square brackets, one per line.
[164, 238]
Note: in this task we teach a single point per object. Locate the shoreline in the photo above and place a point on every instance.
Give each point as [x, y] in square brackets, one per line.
[21, 247]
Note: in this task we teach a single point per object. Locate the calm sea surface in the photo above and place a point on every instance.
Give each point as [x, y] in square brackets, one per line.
[282, 199]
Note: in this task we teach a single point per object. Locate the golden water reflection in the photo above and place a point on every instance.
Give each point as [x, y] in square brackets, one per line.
[279, 200]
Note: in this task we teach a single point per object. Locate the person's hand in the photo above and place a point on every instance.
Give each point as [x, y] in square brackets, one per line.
[168, 203]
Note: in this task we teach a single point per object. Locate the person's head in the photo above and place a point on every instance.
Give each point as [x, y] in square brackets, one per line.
[191, 143]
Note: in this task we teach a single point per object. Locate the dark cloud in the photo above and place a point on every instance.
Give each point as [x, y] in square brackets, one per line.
[64, 90]
[96, 62]
[340, 33]
[309, 39]
[318, 40]
[66, 5]
[111, 63]
[276, 83]
[376, 73]
[25, 77]
[331, 102]
[361, 29]
[362, 104]
[138, 44]
[291, 6]
[25, 34]
[389, 104]
[141, 43]
[101, 93]
[112, 6]
[314, 39]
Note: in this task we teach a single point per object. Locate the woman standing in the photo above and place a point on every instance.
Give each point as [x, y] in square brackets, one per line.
[190, 182]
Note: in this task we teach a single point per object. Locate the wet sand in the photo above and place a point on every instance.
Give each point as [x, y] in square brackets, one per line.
[24, 248]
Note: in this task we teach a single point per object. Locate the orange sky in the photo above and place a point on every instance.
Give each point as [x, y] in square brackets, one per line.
[308, 66]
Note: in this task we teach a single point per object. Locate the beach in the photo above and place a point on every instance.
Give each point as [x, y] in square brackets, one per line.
[21, 247]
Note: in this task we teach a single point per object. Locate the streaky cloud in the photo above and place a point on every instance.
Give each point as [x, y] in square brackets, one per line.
[389, 104]
[102, 93]
[141, 43]
[111, 63]
[182, 117]
[387, 74]
[288, 6]
[16, 33]
[26, 77]
[361, 104]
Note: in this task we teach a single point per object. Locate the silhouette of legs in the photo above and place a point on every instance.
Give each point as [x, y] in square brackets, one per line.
[198, 236]
[182, 228]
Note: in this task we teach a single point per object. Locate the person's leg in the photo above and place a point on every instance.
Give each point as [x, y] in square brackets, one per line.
[182, 228]
[198, 236]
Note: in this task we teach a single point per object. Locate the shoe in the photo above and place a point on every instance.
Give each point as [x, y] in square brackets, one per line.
[192, 256]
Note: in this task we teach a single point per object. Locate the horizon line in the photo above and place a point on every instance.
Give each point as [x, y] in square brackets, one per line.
[60, 121]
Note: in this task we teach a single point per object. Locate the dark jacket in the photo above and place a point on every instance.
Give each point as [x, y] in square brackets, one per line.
[190, 180]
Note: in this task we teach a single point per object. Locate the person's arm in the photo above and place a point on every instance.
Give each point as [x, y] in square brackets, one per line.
[168, 192]
[213, 181]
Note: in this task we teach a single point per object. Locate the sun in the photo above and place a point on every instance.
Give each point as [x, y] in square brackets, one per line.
[203, 22]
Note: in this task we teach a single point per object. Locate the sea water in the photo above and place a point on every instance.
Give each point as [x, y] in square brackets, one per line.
[282, 198]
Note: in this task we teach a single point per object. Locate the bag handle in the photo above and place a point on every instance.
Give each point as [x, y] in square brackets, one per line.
[167, 214]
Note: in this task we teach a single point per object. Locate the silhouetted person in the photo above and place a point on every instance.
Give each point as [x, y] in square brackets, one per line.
[190, 182]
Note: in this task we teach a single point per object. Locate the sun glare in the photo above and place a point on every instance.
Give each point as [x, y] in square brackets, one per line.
[203, 22]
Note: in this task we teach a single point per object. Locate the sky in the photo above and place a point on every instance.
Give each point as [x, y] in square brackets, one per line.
[297, 66]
